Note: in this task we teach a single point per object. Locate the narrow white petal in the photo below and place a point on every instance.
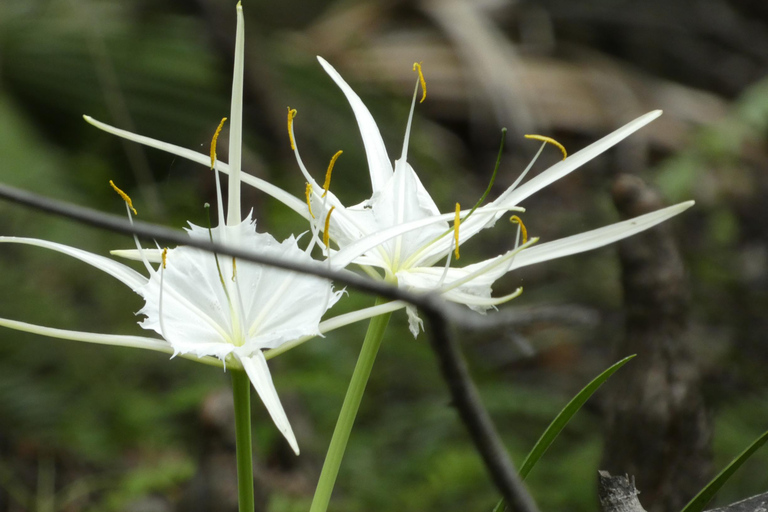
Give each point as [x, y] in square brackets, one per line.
[258, 371]
[560, 169]
[337, 322]
[104, 339]
[596, 238]
[122, 273]
[379, 164]
[152, 255]
[415, 323]
[281, 195]
[361, 314]
[236, 123]
[475, 300]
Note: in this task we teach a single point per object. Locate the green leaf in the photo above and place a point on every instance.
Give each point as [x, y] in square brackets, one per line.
[700, 501]
[562, 419]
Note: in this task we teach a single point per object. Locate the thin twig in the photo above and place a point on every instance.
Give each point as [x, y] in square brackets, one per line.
[475, 417]
[438, 312]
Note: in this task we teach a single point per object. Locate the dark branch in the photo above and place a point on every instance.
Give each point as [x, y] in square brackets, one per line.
[475, 417]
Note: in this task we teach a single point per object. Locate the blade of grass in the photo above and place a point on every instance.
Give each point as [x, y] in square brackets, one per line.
[562, 419]
[700, 501]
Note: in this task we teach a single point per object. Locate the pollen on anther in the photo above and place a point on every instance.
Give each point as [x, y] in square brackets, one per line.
[327, 183]
[326, 234]
[456, 223]
[214, 140]
[291, 115]
[417, 67]
[124, 196]
[165, 257]
[551, 141]
[517, 220]
[308, 193]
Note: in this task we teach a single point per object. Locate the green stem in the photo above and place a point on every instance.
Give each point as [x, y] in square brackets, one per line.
[241, 391]
[349, 409]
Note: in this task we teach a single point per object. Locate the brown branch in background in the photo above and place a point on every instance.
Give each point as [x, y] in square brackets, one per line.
[657, 428]
[619, 494]
[438, 312]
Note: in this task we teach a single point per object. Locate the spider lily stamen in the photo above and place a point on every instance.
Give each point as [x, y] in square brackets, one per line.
[160, 298]
[456, 224]
[124, 196]
[417, 68]
[327, 231]
[130, 210]
[291, 114]
[215, 254]
[520, 229]
[214, 141]
[308, 194]
[327, 183]
[551, 141]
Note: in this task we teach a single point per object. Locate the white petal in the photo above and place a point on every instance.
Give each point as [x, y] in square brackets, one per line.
[103, 339]
[481, 302]
[152, 255]
[196, 316]
[281, 195]
[402, 200]
[596, 238]
[122, 273]
[415, 323]
[574, 161]
[337, 322]
[282, 306]
[258, 371]
[236, 123]
[379, 164]
[482, 219]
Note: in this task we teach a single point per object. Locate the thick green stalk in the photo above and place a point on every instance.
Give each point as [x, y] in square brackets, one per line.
[349, 409]
[241, 391]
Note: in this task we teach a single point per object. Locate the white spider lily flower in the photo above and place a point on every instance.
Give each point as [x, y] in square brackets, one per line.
[399, 199]
[414, 236]
[215, 309]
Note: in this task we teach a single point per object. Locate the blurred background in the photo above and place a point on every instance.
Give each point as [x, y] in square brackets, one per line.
[87, 428]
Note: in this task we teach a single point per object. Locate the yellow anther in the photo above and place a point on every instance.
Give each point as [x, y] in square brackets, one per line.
[291, 115]
[165, 257]
[124, 196]
[326, 234]
[551, 141]
[213, 142]
[417, 67]
[517, 220]
[456, 223]
[327, 183]
[308, 193]
[234, 268]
